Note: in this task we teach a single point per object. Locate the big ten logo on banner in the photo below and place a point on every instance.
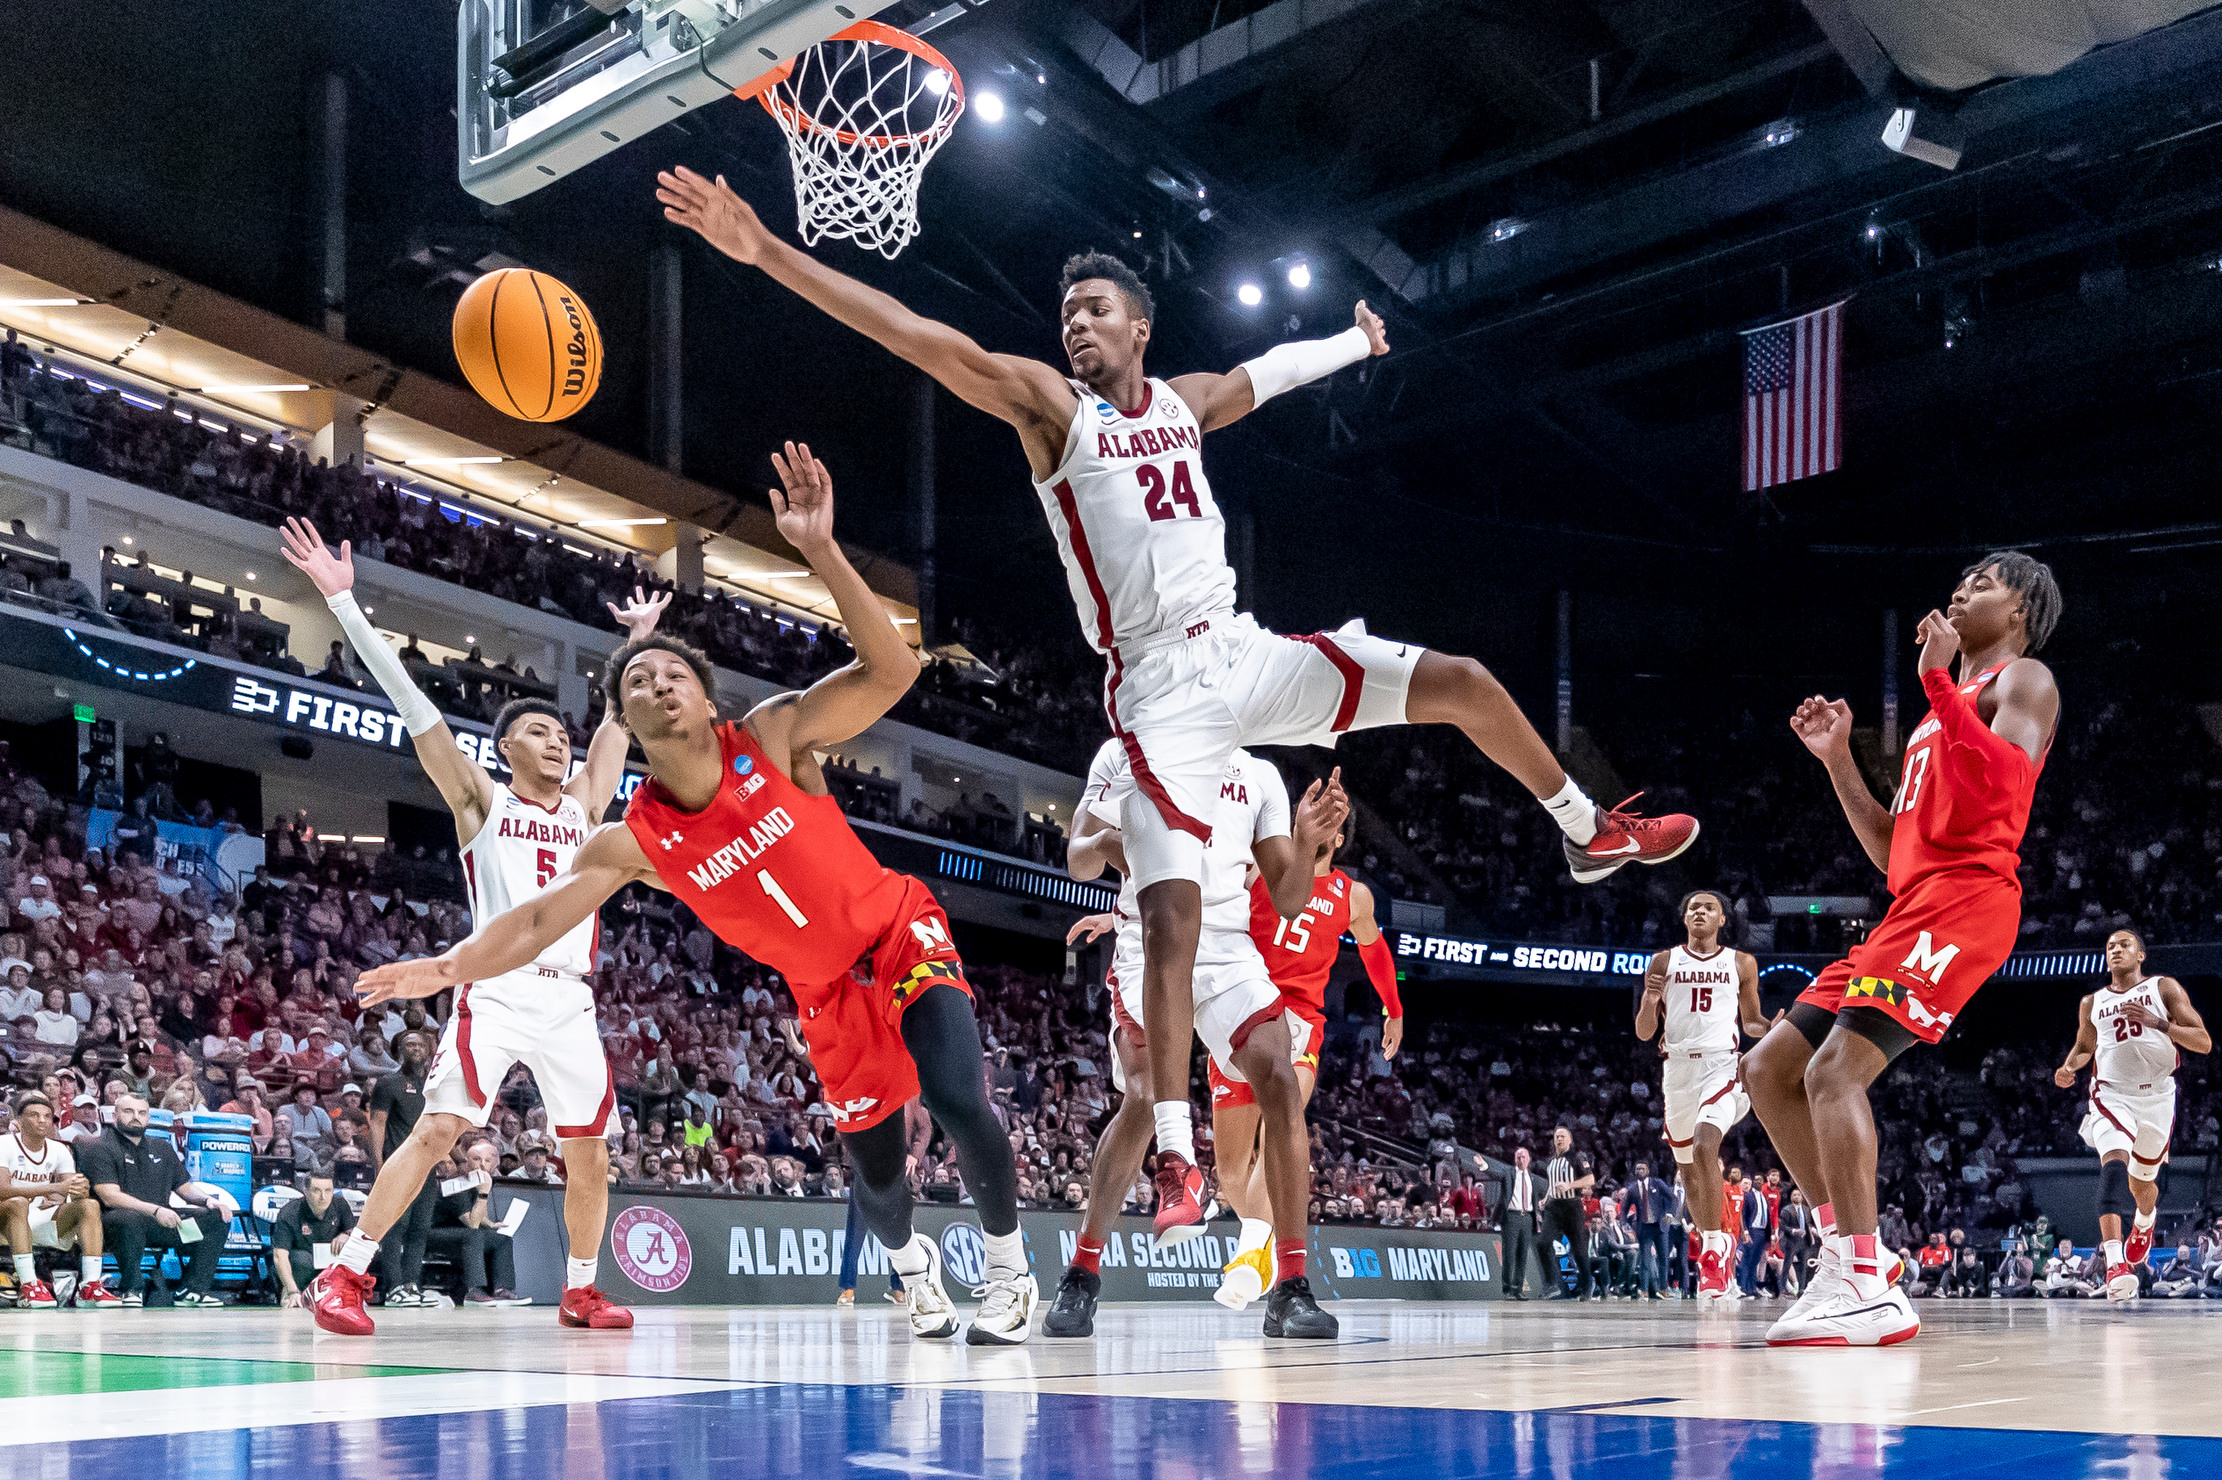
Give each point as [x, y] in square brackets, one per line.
[1403, 1264]
[652, 1248]
[1193, 1265]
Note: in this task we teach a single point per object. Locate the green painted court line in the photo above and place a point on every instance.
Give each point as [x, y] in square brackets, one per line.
[42, 1374]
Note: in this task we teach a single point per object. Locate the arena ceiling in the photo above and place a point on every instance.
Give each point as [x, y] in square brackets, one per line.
[1566, 214]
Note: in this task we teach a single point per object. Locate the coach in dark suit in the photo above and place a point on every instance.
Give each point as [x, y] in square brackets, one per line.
[1649, 1203]
[1522, 1195]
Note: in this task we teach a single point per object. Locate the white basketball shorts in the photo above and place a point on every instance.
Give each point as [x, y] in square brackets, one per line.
[2138, 1122]
[1184, 708]
[1233, 992]
[542, 1019]
[1701, 1089]
[45, 1233]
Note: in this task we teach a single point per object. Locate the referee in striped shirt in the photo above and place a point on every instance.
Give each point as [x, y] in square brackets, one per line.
[1571, 1174]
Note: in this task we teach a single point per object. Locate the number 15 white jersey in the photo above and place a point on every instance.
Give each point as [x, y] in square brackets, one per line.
[1144, 546]
[1701, 1001]
[522, 847]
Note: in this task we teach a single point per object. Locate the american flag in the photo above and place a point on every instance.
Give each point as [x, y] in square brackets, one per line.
[1793, 398]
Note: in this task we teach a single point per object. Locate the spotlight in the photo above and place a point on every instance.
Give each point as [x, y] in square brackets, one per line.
[989, 105]
[1250, 294]
[1505, 228]
[1300, 275]
[937, 82]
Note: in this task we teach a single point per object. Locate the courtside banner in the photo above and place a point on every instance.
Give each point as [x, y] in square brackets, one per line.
[703, 1250]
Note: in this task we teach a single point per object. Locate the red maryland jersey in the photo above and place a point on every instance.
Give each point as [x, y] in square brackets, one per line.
[1963, 800]
[1300, 953]
[770, 868]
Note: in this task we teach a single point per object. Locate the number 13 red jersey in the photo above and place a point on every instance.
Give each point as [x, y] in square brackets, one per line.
[1954, 809]
[1300, 953]
[770, 868]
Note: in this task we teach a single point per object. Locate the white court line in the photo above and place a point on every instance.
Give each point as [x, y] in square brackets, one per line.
[1955, 1407]
[63, 1417]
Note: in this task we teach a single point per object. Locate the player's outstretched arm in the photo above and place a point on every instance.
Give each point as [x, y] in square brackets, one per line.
[1825, 725]
[1380, 965]
[462, 783]
[851, 699]
[610, 860]
[1747, 997]
[1095, 846]
[2086, 1047]
[1287, 862]
[1026, 393]
[1219, 399]
[597, 780]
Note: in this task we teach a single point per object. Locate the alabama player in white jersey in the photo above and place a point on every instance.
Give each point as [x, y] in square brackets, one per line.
[2130, 1032]
[516, 838]
[45, 1203]
[1704, 992]
[1238, 1013]
[1117, 462]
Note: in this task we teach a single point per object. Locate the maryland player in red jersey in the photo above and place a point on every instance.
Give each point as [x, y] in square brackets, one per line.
[1300, 954]
[737, 821]
[1948, 843]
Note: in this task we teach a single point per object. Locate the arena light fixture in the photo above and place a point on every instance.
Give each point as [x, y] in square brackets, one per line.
[1250, 295]
[44, 302]
[989, 105]
[449, 462]
[244, 390]
[1505, 228]
[937, 82]
[1300, 275]
[774, 575]
[619, 523]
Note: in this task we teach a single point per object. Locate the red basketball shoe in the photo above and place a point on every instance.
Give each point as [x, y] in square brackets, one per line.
[2137, 1246]
[35, 1295]
[589, 1307]
[95, 1295]
[1624, 838]
[1712, 1278]
[336, 1297]
[1180, 1188]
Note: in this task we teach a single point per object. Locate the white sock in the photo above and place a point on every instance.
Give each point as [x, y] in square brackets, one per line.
[1575, 812]
[88, 1268]
[911, 1261]
[1714, 1241]
[578, 1274]
[1176, 1129]
[1006, 1254]
[2144, 1221]
[2113, 1252]
[355, 1255]
[26, 1269]
[1256, 1234]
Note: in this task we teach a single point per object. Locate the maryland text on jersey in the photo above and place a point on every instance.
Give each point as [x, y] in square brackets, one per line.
[749, 846]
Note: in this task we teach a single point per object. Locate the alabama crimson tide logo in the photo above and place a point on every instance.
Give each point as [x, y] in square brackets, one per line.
[652, 1249]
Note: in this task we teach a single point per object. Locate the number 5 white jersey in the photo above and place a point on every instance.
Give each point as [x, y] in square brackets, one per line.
[522, 847]
[1701, 998]
[1144, 546]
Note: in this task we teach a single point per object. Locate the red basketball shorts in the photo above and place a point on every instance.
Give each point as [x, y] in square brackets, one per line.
[854, 1024]
[1939, 941]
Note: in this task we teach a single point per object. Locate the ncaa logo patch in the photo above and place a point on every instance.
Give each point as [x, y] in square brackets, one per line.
[1103, 409]
[964, 1249]
[743, 764]
[652, 1249]
[1168, 407]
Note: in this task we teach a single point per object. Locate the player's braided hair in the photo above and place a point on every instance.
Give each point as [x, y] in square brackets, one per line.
[1082, 266]
[2040, 593]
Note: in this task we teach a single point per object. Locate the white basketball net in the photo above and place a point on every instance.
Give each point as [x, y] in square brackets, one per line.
[861, 120]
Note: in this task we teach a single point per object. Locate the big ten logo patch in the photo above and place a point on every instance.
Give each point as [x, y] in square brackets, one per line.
[651, 1249]
[964, 1253]
[1355, 1264]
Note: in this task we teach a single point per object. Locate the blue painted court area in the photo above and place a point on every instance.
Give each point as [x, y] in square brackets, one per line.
[830, 1432]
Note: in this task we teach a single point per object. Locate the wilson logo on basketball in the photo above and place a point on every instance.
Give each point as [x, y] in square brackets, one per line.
[574, 375]
[651, 1249]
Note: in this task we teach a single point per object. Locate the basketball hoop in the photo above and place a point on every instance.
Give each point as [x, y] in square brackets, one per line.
[862, 111]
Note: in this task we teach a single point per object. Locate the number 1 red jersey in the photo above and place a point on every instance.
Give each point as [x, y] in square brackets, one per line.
[1300, 953]
[770, 868]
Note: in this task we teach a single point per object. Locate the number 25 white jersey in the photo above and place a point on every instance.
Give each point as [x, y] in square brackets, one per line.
[1144, 546]
[1701, 1001]
[2130, 1056]
[522, 847]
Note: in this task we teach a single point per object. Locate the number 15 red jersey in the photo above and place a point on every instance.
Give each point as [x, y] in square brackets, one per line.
[770, 868]
[1300, 953]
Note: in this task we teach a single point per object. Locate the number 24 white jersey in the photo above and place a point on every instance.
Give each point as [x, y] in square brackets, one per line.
[522, 847]
[1144, 544]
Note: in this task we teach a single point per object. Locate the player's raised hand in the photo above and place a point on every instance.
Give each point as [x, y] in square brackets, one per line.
[1392, 1036]
[1825, 725]
[1940, 642]
[710, 208]
[1654, 981]
[304, 550]
[1377, 334]
[804, 508]
[1320, 815]
[638, 616]
[426, 976]
[2144, 1017]
[1086, 929]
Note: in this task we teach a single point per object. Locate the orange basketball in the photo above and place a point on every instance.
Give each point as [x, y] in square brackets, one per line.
[528, 345]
